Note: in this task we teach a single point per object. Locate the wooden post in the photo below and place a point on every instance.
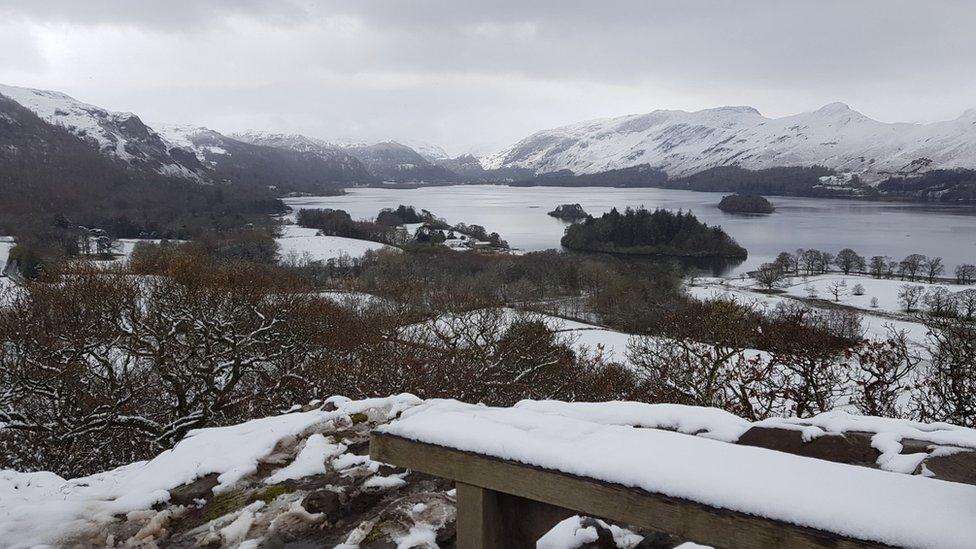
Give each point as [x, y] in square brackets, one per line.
[478, 518]
[488, 520]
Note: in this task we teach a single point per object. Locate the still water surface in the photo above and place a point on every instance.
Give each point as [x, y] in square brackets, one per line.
[519, 215]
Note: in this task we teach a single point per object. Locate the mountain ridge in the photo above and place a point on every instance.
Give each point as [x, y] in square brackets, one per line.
[683, 143]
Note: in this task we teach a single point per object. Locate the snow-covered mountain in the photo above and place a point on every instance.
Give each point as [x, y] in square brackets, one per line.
[387, 160]
[192, 152]
[431, 152]
[293, 163]
[120, 135]
[682, 143]
[392, 161]
[335, 155]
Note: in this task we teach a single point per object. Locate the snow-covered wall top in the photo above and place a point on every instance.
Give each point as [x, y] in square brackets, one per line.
[610, 442]
[683, 143]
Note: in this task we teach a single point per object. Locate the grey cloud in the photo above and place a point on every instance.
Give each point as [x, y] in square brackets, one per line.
[170, 15]
[485, 72]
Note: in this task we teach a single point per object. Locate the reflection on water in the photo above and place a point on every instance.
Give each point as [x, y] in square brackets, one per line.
[519, 215]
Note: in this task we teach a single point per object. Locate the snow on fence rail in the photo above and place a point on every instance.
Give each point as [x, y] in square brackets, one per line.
[603, 460]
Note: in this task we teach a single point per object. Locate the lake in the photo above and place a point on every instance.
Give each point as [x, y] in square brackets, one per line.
[518, 214]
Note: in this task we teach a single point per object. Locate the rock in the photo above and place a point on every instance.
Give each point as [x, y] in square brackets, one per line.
[912, 446]
[658, 540]
[359, 448]
[387, 470]
[850, 447]
[604, 538]
[956, 467]
[201, 488]
[447, 536]
[322, 501]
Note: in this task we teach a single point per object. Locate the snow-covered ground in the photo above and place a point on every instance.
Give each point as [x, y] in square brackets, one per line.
[305, 473]
[884, 290]
[44, 509]
[587, 339]
[354, 300]
[600, 441]
[878, 321]
[6, 242]
[298, 241]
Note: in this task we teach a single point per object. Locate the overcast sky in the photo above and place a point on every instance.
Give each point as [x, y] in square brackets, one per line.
[475, 76]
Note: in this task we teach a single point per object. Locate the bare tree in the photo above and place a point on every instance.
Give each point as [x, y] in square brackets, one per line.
[788, 262]
[911, 266]
[966, 304]
[848, 260]
[882, 373]
[878, 266]
[966, 273]
[892, 268]
[933, 268]
[947, 391]
[769, 275]
[940, 302]
[837, 288]
[813, 261]
[909, 295]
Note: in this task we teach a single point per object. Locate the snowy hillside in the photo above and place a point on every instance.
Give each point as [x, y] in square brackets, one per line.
[120, 135]
[430, 152]
[392, 161]
[335, 155]
[683, 143]
[291, 163]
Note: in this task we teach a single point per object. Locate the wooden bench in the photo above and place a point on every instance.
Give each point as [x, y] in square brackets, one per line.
[507, 504]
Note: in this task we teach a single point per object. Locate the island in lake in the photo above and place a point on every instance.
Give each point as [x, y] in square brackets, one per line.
[569, 212]
[745, 203]
[643, 232]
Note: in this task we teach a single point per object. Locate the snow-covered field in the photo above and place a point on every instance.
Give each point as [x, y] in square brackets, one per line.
[877, 320]
[353, 300]
[298, 241]
[884, 290]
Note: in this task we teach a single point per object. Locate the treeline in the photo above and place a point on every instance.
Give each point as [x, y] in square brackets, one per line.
[661, 232]
[386, 228]
[635, 176]
[339, 223]
[958, 185]
[784, 181]
[913, 267]
[405, 214]
[807, 371]
[779, 181]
